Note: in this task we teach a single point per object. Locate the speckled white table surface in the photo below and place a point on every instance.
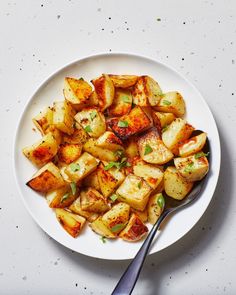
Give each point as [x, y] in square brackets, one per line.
[198, 38]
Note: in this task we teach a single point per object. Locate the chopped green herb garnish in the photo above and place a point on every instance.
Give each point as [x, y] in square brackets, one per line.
[103, 239]
[166, 102]
[158, 19]
[165, 128]
[147, 150]
[119, 153]
[201, 154]
[118, 165]
[65, 197]
[93, 115]
[88, 128]
[74, 167]
[73, 188]
[81, 78]
[117, 227]
[113, 197]
[189, 167]
[126, 99]
[161, 201]
[140, 184]
[123, 124]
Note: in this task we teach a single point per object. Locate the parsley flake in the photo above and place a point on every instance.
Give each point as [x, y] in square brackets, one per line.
[147, 150]
[65, 197]
[118, 227]
[93, 115]
[166, 102]
[123, 124]
[103, 239]
[161, 201]
[88, 128]
[164, 128]
[73, 188]
[189, 168]
[140, 184]
[201, 154]
[74, 167]
[126, 99]
[113, 198]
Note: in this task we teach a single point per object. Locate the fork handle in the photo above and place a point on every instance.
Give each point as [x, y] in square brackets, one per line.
[128, 280]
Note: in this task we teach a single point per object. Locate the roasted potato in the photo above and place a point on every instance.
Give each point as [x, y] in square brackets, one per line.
[61, 197]
[100, 228]
[83, 166]
[105, 90]
[63, 116]
[134, 191]
[172, 102]
[92, 181]
[131, 148]
[42, 151]
[176, 133]
[143, 215]
[43, 120]
[93, 201]
[68, 153]
[92, 120]
[155, 207]
[146, 92]
[71, 222]
[122, 103]
[123, 81]
[152, 149]
[135, 122]
[109, 141]
[175, 185]
[75, 207]
[164, 118]
[192, 145]
[48, 178]
[79, 136]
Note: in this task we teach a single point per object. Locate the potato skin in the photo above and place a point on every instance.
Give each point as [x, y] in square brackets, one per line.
[123, 81]
[43, 120]
[63, 116]
[192, 145]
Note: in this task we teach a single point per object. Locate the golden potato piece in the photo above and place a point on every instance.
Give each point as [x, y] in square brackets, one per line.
[164, 118]
[172, 102]
[43, 120]
[79, 136]
[75, 207]
[93, 201]
[100, 228]
[192, 168]
[152, 149]
[105, 91]
[57, 134]
[83, 166]
[131, 148]
[92, 181]
[123, 81]
[122, 103]
[61, 197]
[71, 222]
[175, 185]
[143, 215]
[135, 191]
[155, 207]
[92, 121]
[63, 116]
[192, 145]
[42, 151]
[68, 153]
[134, 230]
[109, 141]
[176, 133]
[152, 174]
[146, 92]
[135, 122]
[76, 91]
[117, 217]
[48, 178]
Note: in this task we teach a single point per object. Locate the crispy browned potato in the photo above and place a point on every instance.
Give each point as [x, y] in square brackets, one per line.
[123, 81]
[100, 228]
[192, 145]
[105, 91]
[63, 116]
[155, 207]
[79, 136]
[75, 207]
[146, 92]
[164, 119]
[48, 178]
[71, 222]
[131, 148]
[43, 120]
[143, 215]
[134, 230]
[135, 122]
[61, 197]
[68, 153]
[92, 181]
[122, 103]
[93, 201]
[110, 141]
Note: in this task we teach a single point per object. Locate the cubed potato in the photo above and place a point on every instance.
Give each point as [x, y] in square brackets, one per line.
[135, 230]
[105, 90]
[71, 222]
[75, 207]
[143, 215]
[92, 201]
[175, 185]
[192, 145]
[164, 118]
[48, 178]
[42, 151]
[43, 120]
[152, 149]
[192, 168]
[109, 180]
[63, 116]
[131, 148]
[61, 197]
[135, 122]
[92, 121]
[68, 153]
[122, 103]
[92, 181]
[176, 133]
[76, 91]
[152, 174]
[83, 166]
[100, 153]
[57, 134]
[110, 141]
[100, 228]
[79, 136]
[117, 217]
[155, 207]
[135, 191]
[172, 102]
[123, 81]
[146, 92]
[64, 175]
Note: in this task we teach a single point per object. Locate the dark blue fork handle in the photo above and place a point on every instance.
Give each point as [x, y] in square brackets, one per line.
[127, 282]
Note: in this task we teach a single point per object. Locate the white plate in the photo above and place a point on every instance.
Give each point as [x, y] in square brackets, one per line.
[198, 114]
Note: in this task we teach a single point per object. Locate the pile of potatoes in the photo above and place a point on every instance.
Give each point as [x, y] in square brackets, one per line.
[110, 149]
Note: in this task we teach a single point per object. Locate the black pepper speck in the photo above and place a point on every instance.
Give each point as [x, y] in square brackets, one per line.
[58, 16]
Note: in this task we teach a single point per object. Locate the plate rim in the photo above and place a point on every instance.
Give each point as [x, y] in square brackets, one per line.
[104, 55]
